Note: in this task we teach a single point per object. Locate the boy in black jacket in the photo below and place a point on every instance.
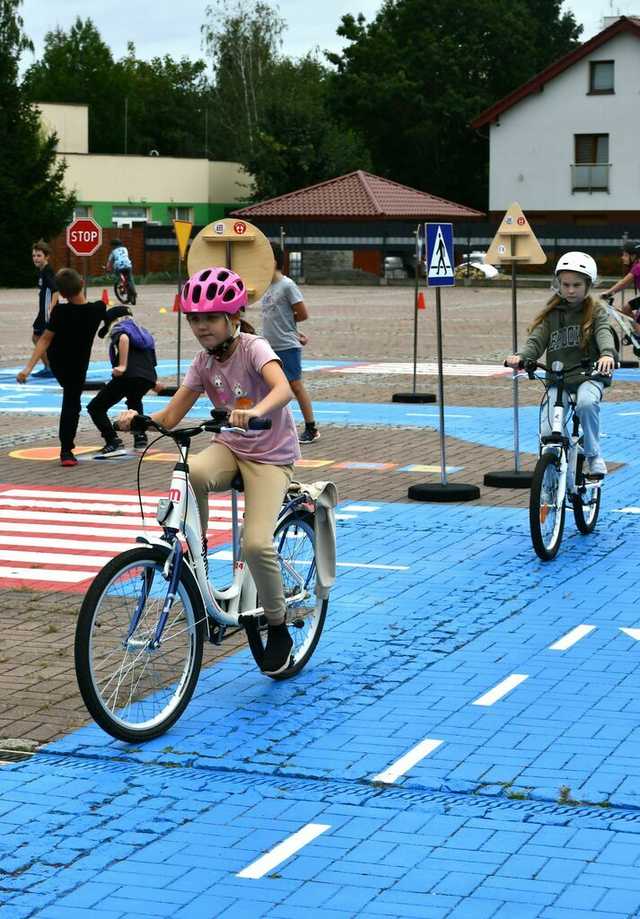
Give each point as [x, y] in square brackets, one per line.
[67, 341]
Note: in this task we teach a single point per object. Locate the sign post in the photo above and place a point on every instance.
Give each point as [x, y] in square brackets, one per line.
[415, 397]
[84, 237]
[182, 229]
[514, 243]
[440, 273]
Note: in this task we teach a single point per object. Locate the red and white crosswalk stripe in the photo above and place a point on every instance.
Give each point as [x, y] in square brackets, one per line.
[58, 538]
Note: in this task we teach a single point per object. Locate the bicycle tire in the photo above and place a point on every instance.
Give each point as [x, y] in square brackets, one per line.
[294, 535]
[122, 292]
[585, 522]
[546, 547]
[141, 698]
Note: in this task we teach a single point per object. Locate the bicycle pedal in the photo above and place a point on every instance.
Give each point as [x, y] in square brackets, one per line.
[216, 633]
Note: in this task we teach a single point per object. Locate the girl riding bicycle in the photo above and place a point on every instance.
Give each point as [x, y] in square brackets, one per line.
[240, 372]
[574, 327]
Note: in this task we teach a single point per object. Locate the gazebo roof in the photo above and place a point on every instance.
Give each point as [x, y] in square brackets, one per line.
[359, 195]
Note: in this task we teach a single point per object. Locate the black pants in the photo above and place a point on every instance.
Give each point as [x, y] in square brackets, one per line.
[70, 412]
[130, 388]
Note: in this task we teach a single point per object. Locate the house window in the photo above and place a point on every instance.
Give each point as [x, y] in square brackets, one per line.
[129, 213]
[590, 169]
[182, 213]
[601, 75]
[81, 210]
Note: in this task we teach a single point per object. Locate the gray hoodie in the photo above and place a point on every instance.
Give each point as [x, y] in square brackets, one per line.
[559, 335]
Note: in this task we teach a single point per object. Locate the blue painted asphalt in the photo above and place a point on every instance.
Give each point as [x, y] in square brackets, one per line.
[529, 807]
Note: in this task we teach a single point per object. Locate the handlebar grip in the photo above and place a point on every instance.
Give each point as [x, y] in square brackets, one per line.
[141, 423]
[259, 424]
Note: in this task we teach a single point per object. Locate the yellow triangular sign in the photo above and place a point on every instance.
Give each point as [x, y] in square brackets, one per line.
[515, 241]
[182, 229]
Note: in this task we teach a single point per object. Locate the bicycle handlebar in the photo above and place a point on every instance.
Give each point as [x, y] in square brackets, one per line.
[141, 423]
[586, 366]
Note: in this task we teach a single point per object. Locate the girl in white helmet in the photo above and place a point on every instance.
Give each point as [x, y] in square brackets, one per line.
[573, 327]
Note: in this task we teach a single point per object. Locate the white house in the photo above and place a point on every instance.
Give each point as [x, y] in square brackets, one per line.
[566, 144]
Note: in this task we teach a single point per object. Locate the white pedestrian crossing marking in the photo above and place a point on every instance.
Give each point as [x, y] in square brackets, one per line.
[62, 537]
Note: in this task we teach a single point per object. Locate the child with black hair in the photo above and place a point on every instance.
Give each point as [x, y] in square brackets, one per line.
[47, 296]
[133, 360]
[67, 340]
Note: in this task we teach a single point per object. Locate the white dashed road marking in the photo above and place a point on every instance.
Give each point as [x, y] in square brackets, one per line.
[501, 689]
[283, 851]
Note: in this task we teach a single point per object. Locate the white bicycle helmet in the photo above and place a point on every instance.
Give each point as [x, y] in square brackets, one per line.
[579, 262]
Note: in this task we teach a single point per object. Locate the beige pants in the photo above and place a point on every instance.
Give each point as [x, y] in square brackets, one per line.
[265, 486]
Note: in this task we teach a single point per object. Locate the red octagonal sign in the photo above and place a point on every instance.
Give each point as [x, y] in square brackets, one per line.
[84, 236]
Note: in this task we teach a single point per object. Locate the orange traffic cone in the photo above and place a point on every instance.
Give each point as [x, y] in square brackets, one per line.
[105, 297]
[176, 303]
[421, 304]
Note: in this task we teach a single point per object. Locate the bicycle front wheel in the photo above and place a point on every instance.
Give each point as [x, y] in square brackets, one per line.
[586, 503]
[294, 540]
[134, 686]
[546, 511]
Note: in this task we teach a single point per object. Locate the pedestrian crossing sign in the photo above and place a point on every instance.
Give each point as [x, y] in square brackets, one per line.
[440, 255]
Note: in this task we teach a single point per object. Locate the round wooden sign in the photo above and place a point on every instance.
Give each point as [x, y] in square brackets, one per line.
[235, 244]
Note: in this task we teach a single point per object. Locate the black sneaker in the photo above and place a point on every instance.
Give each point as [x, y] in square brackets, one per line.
[278, 651]
[113, 448]
[309, 435]
[140, 441]
[67, 458]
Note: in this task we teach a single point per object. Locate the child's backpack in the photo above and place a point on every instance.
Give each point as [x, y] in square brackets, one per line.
[140, 338]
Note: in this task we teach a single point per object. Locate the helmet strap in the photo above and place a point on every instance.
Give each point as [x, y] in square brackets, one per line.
[222, 349]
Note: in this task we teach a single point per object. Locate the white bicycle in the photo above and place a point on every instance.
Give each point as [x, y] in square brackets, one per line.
[559, 473]
[141, 629]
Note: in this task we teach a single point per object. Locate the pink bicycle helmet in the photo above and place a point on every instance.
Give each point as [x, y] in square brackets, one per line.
[214, 290]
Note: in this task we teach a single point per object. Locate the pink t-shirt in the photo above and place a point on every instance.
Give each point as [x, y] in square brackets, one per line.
[238, 383]
[635, 271]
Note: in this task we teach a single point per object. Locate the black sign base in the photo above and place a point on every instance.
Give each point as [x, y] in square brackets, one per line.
[415, 398]
[455, 491]
[629, 364]
[508, 479]
[168, 391]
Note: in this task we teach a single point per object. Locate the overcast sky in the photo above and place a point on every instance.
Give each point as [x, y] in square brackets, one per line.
[158, 28]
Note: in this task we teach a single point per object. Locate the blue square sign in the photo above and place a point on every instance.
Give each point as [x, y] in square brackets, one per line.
[439, 266]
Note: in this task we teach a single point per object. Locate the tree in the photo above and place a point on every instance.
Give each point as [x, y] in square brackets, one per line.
[167, 100]
[242, 40]
[78, 67]
[412, 80]
[35, 203]
[270, 112]
[300, 142]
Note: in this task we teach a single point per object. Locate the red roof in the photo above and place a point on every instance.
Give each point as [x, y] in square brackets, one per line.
[536, 84]
[358, 195]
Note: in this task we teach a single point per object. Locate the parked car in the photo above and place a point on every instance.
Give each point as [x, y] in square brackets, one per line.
[473, 265]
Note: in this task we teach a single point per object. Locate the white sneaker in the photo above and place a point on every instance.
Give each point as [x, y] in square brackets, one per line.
[594, 465]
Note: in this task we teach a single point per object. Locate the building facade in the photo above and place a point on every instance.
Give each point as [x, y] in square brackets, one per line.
[565, 144]
[128, 191]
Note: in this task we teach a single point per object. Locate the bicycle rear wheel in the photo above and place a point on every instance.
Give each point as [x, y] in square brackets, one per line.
[586, 504]
[121, 290]
[294, 540]
[546, 515]
[133, 690]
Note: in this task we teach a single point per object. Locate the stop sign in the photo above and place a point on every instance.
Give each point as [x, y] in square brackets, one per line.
[84, 236]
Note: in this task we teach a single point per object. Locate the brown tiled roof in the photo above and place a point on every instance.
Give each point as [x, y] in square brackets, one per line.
[358, 195]
[630, 24]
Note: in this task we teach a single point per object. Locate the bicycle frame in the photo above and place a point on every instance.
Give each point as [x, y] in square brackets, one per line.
[178, 513]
